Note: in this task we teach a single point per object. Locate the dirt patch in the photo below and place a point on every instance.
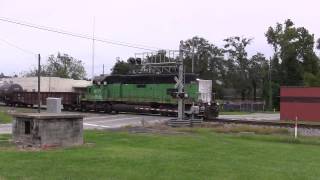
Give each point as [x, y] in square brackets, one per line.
[162, 128]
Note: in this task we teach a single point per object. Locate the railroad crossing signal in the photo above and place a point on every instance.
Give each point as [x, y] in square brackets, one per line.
[178, 82]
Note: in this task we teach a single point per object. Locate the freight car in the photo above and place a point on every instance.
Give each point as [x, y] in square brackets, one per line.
[70, 100]
[148, 93]
[7, 92]
[14, 95]
[142, 93]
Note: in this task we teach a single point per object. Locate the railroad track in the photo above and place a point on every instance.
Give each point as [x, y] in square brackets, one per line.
[288, 124]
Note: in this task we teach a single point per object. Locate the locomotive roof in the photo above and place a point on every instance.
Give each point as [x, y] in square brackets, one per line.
[146, 78]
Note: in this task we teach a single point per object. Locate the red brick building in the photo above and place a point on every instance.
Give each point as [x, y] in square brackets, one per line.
[303, 102]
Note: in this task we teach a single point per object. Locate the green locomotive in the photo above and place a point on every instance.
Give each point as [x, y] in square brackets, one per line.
[148, 93]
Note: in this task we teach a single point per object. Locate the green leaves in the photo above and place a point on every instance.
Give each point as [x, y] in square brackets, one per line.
[295, 47]
[63, 66]
[121, 67]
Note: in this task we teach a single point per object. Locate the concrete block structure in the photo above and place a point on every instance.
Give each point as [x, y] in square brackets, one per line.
[45, 130]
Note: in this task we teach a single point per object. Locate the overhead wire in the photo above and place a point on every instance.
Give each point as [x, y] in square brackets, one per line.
[83, 36]
[17, 47]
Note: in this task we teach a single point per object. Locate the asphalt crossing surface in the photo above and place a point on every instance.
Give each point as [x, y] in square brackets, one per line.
[112, 121]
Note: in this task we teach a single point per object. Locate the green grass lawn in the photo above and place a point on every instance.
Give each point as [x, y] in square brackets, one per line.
[17, 109]
[202, 154]
[5, 117]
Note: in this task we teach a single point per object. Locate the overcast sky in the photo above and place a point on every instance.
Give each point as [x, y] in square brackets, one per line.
[159, 23]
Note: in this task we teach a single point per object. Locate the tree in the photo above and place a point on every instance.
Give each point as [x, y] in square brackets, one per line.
[258, 73]
[311, 80]
[63, 66]
[294, 62]
[208, 61]
[318, 43]
[205, 56]
[236, 72]
[238, 64]
[121, 68]
[294, 48]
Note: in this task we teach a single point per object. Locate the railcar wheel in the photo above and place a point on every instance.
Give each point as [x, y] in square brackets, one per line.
[107, 108]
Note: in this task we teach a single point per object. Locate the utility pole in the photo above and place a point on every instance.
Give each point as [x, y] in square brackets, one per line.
[270, 87]
[180, 84]
[39, 70]
[93, 28]
[102, 69]
[192, 70]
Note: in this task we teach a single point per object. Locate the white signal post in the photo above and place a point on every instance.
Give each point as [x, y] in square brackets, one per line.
[296, 128]
[180, 83]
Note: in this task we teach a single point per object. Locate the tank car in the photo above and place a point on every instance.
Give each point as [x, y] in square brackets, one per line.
[7, 92]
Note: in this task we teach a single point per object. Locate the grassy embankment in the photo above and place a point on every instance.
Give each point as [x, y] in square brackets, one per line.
[193, 154]
[5, 117]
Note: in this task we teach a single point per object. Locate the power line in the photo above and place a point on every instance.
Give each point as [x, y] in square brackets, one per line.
[83, 36]
[17, 47]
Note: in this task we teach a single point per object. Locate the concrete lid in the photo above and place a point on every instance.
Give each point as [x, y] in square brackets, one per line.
[47, 116]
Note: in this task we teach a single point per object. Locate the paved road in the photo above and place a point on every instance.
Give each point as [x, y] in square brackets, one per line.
[120, 120]
[5, 128]
[107, 121]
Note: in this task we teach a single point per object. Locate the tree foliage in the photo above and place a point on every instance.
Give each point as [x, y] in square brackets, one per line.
[236, 71]
[121, 68]
[294, 47]
[294, 62]
[311, 80]
[239, 64]
[63, 66]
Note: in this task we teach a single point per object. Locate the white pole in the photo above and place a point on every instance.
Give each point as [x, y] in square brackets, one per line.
[93, 29]
[296, 128]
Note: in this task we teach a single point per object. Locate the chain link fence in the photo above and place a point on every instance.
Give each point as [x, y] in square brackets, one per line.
[243, 106]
